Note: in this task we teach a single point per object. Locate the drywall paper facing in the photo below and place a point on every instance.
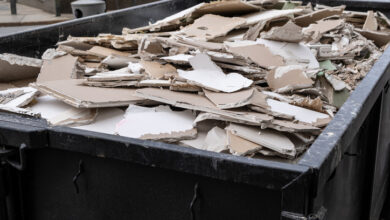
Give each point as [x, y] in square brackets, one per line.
[289, 32]
[230, 100]
[257, 53]
[14, 67]
[156, 70]
[292, 53]
[211, 26]
[73, 93]
[61, 68]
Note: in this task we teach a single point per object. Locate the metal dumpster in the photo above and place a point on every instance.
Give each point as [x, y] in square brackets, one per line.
[64, 173]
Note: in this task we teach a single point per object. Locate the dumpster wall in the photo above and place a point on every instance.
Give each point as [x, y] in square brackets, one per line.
[121, 176]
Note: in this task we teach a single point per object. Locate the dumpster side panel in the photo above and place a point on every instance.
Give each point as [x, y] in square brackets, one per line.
[347, 192]
[113, 189]
[381, 170]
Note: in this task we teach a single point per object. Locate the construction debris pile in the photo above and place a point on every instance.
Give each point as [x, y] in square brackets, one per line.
[249, 78]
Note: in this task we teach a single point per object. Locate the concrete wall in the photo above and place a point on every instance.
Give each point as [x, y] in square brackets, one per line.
[48, 5]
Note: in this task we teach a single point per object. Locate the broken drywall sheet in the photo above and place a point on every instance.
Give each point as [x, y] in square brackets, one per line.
[211, 26]
[337, 84]
[251, 118]
[104, 51]
[263, 16]
[230, 100]
[264, 137]
[199, 103]
[316, 30]
[200, 44]
[301, 114]
[117, 62]
[288, 78]
[226, 8]
[240, 146]
[58, 113]
[73, 93]
[178, 59]
[157, 125]
[115, 75]
[292, 127]
[307, 19]
[216, 140]
[380, 38]
[213, 139]
[14, 67]
[257, 53]
[17, 97]
[110, 84]
[210, 76]
[105, 121]
[289, 32]
[156, 70]
[371, 24]
[292, 53]
[52, 53]
[61, 68]
[75, 44]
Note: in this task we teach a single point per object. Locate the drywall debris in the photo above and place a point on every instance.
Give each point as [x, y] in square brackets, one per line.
[301, 114]
[240, 146]
[259, 78]
[17, 97]
[257, 53]
[230, 100]
[156, 124]
[58, 113]
[211, 26]
[52, 53]
[293, 77]
[178, 59]
[61, 68]
[307, 19]
[14, 67]
[292, 53]
[264, 137]
[105, 121]
[371, 24]
[73, 93]
[156, 70]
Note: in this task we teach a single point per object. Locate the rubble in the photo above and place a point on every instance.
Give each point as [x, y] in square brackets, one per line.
[246, 78]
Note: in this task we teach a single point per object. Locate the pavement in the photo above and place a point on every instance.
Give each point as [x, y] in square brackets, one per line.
[27, 16]
[10, 30]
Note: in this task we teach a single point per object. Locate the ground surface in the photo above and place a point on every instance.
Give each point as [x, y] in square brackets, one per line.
[27, 16]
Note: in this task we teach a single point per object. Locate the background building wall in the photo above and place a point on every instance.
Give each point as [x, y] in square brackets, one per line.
[48, 5]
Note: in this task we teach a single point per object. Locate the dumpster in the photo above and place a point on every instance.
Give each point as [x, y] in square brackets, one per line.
[64, 173]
